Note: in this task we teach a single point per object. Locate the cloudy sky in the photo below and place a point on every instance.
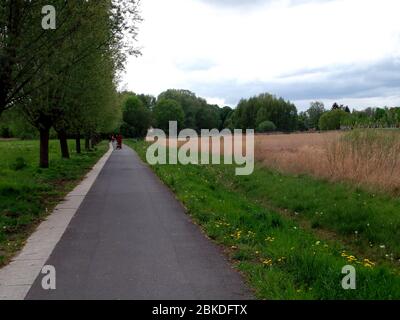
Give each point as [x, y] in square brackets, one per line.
[303, 50]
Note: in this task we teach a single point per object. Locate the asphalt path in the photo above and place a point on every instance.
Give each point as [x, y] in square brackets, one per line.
[131, 239]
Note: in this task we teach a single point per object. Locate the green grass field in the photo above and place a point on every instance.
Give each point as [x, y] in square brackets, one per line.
[369, 223]
[292, 235]
[28, 193]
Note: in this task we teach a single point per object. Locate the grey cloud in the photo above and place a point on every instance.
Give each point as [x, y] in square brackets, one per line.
[253, 3]
[195, 65]
[235, 3]
[378, 80]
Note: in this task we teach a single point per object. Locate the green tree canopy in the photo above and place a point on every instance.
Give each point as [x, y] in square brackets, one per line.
[265, 107]
[332, 120]
[198, 113]
[224, 117]
[167, 110]
[314, 113]
[136, 118]
[188, 101]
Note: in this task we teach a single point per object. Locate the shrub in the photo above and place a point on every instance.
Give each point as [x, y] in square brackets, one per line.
[19, 164]
[331, 120]
[5, 132]
[266, 126]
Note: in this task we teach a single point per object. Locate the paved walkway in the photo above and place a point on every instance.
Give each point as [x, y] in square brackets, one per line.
[131, 239]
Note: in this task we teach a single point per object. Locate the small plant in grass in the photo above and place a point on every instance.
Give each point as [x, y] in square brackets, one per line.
[19, 164]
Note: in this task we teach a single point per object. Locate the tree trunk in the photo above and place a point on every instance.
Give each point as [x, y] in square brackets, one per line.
[78, 143]
[9, 52]
[87, 143]
[3, 90]
[93, 141]
[62, 136]
[44, 148]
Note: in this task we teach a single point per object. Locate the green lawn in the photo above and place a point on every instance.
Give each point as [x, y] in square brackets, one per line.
[369, 223]
[292, 235]
[28, 193]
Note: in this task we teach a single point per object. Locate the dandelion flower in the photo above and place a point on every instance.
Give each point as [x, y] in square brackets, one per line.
[267, 262]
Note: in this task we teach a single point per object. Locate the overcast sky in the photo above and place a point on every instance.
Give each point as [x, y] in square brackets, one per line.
[303, 50]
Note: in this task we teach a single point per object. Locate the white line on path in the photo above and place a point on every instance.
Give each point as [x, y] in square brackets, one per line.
[17, 277]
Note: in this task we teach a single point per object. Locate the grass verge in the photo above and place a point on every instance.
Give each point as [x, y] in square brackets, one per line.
[28, 193]
[280, 258]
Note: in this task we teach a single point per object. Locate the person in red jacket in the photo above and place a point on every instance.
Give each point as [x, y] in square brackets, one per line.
[119, 142]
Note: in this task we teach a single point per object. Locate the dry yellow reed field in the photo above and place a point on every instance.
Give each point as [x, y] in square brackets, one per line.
[296, 153]
[369, 158]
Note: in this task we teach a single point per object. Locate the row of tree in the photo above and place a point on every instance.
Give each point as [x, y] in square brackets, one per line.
[340, 117]
[140, 112]
[256, 112]
[64, 79]
[264, 113]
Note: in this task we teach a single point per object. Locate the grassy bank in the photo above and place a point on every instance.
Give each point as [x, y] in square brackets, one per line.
[28, 193]
[368, 222]
[260, 220]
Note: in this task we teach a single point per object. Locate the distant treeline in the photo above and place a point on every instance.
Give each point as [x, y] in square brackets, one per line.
[340, 117]
[135, 113]
[263, 113]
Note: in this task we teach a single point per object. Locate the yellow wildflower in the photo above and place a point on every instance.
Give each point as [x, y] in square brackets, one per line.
[270, 239]
[267, 262]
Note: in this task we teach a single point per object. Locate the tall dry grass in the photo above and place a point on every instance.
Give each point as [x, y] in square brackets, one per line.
[369, 158]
